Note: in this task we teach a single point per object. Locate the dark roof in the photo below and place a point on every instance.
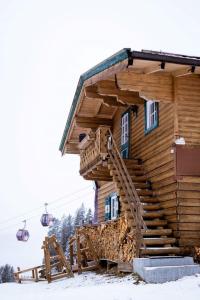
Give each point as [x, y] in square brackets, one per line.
[166, 57]
[125, 53]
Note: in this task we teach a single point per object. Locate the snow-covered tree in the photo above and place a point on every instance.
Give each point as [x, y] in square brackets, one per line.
[55, 229]
[80, 216]
[89, 217]
[67, 230]
[6, 274]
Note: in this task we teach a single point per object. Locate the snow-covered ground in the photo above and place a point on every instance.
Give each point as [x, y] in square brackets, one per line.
[90, 286]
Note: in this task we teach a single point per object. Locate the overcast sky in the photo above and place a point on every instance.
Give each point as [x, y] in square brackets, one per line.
[45, 45]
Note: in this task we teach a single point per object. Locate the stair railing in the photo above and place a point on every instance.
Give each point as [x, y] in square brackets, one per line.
[128, 188]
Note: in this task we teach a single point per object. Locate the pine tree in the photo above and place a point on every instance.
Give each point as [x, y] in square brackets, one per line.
[80, 216]
[89, 217]
[6, 274]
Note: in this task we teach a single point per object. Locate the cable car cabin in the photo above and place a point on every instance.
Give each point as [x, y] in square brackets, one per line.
[22, 235]
[46, 220]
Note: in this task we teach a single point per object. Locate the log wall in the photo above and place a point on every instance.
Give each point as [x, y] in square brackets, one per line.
[188, 187]
[104, 190]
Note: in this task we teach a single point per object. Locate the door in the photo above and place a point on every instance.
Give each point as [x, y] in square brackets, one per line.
[125, 134]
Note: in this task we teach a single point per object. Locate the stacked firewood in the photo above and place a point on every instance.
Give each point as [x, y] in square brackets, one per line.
[112, 240]
[197, 254]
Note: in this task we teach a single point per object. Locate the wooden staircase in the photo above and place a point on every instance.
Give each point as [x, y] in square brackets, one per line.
[142, 208]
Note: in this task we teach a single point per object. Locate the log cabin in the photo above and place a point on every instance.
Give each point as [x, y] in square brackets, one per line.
[135, 123]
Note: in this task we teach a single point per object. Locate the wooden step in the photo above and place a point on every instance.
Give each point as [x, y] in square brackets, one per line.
[147, 199]
[136, 173]
[155, 222]
[141, 185]
[158, 241]
[129, 161]
[154, 232]
[145, 192]
[151, 206]
[153, 214]
[159, 250]
[138, 178]
[133, 167]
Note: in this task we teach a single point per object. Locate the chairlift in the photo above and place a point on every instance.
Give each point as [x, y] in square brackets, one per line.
[23, 234]
[46, 218]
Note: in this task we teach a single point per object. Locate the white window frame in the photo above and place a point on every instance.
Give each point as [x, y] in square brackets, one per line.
[114, 206]
[125, 128]
[151, 114]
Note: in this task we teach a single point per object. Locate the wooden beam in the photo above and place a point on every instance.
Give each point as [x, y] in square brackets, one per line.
[91, 92]
[184, 71]
[110, 88]
[92, 122]
[154, 69]
[111, 95]
[154, 86]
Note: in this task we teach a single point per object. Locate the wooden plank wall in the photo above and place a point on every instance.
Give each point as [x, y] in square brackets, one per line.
[105, 189]
[188, 193]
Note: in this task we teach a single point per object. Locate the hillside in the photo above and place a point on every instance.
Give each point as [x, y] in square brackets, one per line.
[91, 286]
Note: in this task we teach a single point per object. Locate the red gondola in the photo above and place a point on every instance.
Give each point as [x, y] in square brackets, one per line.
[23, 234]
[46, 219]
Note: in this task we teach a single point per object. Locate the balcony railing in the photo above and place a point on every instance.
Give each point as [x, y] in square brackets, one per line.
[93, 148]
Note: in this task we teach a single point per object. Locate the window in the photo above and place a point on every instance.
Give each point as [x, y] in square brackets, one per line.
[125, 132]
[151, 115]
[125, 128]
[111, 207]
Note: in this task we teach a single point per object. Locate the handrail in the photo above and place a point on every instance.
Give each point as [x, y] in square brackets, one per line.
[129, 189]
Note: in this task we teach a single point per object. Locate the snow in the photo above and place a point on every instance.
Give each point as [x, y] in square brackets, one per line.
[92, 286]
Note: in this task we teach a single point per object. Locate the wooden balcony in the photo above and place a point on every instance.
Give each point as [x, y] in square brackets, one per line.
[94, 154]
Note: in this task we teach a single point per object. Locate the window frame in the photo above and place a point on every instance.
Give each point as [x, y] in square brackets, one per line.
[149, 114]
[112, 207]
[125, 133]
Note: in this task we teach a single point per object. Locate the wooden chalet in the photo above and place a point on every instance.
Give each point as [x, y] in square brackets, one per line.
[135, 122]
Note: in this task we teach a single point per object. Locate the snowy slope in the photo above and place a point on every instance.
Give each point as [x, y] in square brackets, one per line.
[98, 287]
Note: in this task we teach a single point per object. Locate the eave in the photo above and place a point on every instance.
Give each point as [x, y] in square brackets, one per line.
[106, 64]
[144, 68]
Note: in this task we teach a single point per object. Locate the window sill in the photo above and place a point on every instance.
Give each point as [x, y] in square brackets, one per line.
[147, 131]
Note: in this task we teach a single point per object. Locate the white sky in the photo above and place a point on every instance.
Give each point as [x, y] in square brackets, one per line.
[45, 45]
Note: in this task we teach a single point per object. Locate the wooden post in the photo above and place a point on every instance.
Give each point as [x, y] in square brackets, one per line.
[18, 276]
[78, 253]
[36, 275]
[71, 252]
[33, 273]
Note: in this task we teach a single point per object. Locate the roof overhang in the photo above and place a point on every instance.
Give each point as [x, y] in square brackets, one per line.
[142, 62]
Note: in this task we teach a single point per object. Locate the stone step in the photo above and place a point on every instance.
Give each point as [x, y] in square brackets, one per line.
[158, 241]
[159, 250]
[169, 273]
[165, 268]
[158, 261]
[154, 232]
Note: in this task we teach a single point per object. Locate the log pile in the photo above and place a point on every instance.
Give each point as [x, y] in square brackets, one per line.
[112, 240]
[197, 254]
